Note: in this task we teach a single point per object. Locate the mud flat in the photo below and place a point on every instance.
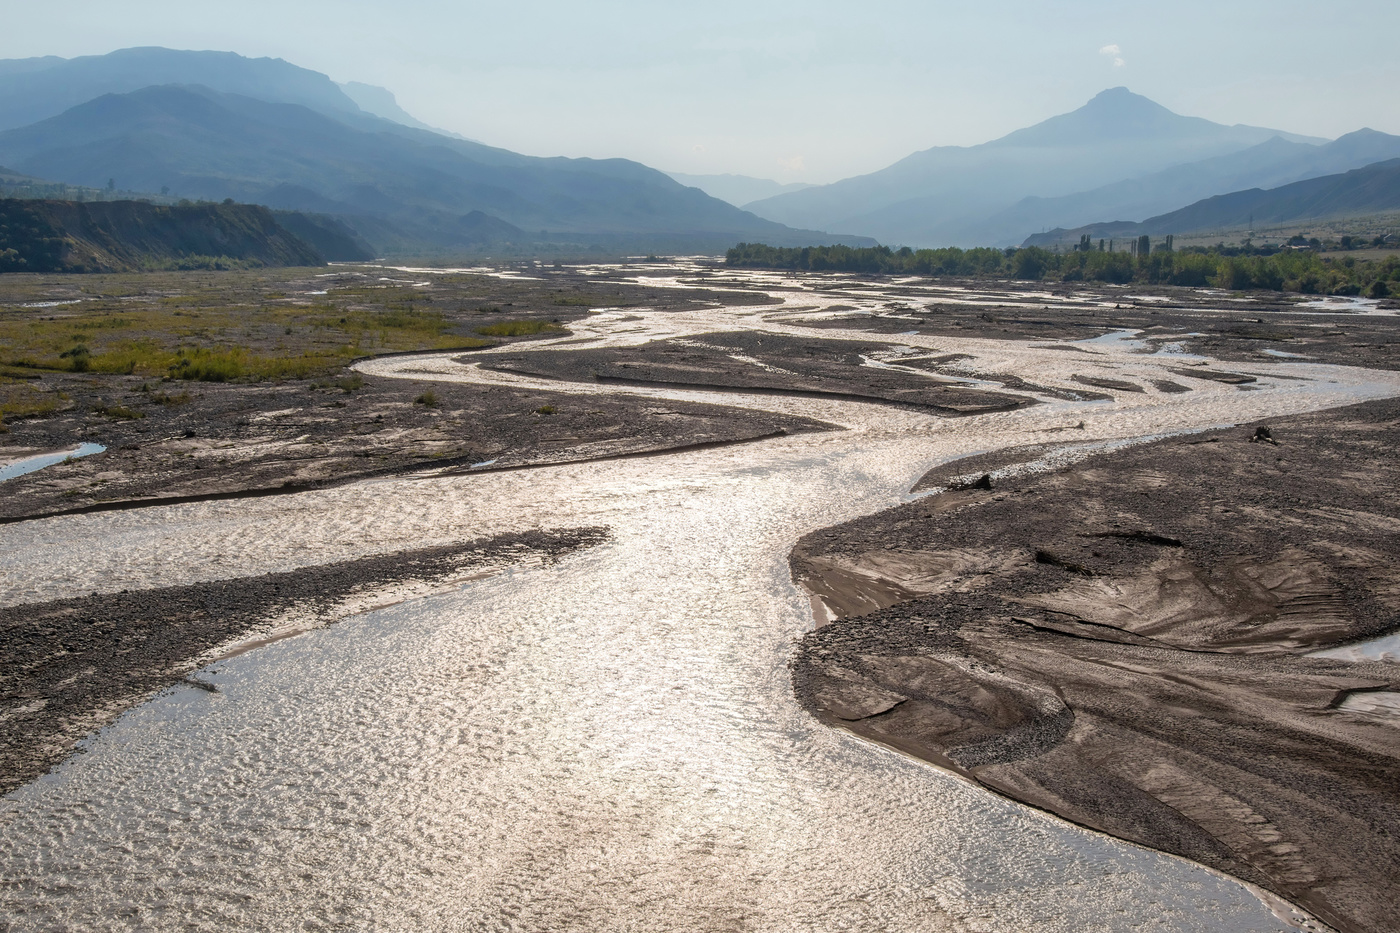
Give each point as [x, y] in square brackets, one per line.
[230, 441]
[1125, 643]
[746, 361]
[74, 665]
[284, 413]
[611, 741]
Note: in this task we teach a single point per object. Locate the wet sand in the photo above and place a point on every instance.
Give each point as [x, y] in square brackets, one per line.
[495, 422]
[73, 665]
[1123, 642]
[230, 441]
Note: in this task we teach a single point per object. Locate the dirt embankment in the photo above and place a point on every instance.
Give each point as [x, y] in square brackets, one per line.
[1262, 327]
[196, 441]
[1123, 643]
[71, 666]
[764, 363]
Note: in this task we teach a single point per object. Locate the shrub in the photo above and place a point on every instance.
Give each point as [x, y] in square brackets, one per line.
[79, 358]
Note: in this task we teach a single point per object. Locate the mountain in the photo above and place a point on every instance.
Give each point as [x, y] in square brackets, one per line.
[402, 189]
[736, 189]
[1268, 165]
[1370, 190]
[122, 236]
[942, 196]
[380, 102]
[34, 89]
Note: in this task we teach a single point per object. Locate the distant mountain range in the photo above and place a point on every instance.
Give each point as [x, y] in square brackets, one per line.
[216, 125]
[969, 196]
[736, 189]
[1370, 190]
[380, 102]
[208, 125]
[1268, 165]
[34, 89]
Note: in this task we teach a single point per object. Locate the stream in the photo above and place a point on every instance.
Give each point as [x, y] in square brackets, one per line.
[606, 743]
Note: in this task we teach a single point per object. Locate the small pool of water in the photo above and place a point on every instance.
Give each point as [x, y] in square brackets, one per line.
[39, 461]
[1385, 648]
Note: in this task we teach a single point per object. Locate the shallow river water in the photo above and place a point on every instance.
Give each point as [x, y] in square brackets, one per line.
[607, 743]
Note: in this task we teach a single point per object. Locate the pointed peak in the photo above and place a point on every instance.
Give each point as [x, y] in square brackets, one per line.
[1116, 113]
[1120, 100]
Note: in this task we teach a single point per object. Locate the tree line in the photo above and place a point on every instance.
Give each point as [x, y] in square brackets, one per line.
[1299, 270]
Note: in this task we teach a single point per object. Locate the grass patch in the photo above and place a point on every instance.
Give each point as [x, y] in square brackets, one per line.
[346, 384]
[428, 399]
[519, 329]
[230, 344]
[18, 400]
[573, 302]
[545, 410]
[171, 401]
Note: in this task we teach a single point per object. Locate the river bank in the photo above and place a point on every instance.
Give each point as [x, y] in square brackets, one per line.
[611, 739]
[1124, 642]
[74, 665]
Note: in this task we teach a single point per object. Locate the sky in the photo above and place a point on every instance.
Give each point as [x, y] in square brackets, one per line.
[809, 91]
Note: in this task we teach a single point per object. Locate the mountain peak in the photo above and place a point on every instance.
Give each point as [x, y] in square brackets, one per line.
[1114, 114]
[1116, 93]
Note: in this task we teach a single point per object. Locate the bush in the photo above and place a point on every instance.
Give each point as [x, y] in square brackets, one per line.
[205, 365]
[79, 358]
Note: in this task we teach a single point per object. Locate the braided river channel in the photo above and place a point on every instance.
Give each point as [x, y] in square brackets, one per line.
[609, 742]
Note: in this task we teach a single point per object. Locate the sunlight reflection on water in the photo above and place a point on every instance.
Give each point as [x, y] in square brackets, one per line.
[608, 743]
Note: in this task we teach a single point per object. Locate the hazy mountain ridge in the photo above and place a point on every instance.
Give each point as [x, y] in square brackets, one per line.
[269, 132]
[264, 131]
[1268, 165]
[381, 102]
[34, 89]
[1369, 190]
[419, 185]
[944, 195]
[739, 190]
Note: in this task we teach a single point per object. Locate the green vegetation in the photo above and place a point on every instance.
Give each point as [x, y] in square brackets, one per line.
[545, 410]
[428, 399]
[519, 328]
[217, 329]
[20, 400]
[1237, 269]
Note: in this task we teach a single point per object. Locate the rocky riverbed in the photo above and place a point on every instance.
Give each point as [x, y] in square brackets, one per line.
[1126, 642]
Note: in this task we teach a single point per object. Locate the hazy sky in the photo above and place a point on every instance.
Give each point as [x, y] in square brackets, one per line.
[798, 91]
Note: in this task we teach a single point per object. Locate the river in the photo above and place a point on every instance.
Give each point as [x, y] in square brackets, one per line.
[606, 743]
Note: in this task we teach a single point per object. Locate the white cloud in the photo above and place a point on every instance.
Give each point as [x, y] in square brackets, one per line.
[1115, 53]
